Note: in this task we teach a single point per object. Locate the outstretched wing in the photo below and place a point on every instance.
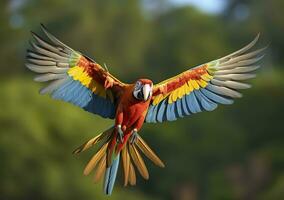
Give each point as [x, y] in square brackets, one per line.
[73, 77]
[204, 87]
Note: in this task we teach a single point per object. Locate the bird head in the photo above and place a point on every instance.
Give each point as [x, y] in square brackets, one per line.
[143, 89]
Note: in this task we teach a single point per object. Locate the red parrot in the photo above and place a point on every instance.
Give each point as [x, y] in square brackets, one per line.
[75, 78]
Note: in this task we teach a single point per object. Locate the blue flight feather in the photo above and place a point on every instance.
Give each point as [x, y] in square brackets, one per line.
[178, 107]
[59, 92]
[161, 112]
[73, 91]
[155, 113]
[205, 102]
[149, 114]
[184, 106]
[171, 112]
[192, 103]
[110, 176]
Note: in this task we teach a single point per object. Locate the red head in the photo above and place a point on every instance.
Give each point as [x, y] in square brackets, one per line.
[143, 89]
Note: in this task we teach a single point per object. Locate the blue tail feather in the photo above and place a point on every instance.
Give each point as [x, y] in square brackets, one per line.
[110, 176]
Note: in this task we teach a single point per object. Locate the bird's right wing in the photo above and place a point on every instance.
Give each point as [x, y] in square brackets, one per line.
[72, 76]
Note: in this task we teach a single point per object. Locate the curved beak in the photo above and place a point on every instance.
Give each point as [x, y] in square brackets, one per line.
[147, 91]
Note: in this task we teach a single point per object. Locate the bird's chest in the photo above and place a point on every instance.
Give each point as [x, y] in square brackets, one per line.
[134, 112]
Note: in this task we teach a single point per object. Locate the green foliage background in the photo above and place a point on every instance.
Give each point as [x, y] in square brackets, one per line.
[235, 152]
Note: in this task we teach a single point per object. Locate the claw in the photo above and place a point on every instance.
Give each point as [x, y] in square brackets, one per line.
[120, 134]
[134, 136]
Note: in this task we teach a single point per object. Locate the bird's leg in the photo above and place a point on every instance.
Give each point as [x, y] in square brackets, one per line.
[120, 133]
[118, 122]
[137, 126]
[134, 136]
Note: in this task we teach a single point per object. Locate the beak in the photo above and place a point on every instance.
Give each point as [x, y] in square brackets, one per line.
[146, 91]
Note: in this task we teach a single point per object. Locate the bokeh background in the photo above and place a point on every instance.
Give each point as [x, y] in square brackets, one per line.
[235, 152]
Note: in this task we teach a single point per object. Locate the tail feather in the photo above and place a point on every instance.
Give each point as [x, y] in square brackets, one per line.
[125, 162]
[132, 175]
[95, 159]
[110, 176]
[104, 135]
[101, 168]
[106, 160]
[138, 161]
[149, 152]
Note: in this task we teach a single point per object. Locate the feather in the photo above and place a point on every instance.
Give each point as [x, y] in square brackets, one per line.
[244, 49]
[125, 161]
[94, 160]
[110, 176]
[192, 103]
[231, 84]
[241, 63]
[48, 53]
[49, 77]
[216, 98]
[64, 88]
[48, 46]
[31, 54]
[41, 62]
[66, 49]
[101, 168]
[178, 108]
[207, 104]
[173, 96]
[68, 95]
[53, 86]
[85, 97]
[149, 153]
[237, 70]
[104, 135]
[150, 114]
[63, 65]
[224, 91]
[132, 176]
[184, 106]
[80, 90]
[46, 69]
[138, 161]
[161, 112]
[236, 77]
[244, 56]
[194, 84]
[171, 116]
[154, 114]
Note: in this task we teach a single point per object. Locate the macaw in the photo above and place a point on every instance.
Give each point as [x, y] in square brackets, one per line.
[76, 78]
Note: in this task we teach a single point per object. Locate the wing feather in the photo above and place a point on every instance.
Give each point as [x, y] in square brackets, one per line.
[138, 161]
[203, 87]
[72, 77]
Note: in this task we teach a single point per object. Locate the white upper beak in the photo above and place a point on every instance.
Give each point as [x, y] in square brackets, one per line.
[147, 89]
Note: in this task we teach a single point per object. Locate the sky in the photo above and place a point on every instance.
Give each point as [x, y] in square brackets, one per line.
[210, 6]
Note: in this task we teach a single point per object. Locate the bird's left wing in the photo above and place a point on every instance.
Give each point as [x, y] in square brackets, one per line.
[73, 77]
[204, 87]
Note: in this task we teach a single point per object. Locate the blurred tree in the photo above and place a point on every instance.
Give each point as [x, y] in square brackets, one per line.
[257, 16]
[232, 153]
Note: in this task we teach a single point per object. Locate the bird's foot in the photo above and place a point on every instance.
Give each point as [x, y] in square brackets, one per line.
[120, 134]
[134, 136]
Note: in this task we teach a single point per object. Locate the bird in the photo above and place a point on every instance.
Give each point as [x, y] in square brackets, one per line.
[76, 78]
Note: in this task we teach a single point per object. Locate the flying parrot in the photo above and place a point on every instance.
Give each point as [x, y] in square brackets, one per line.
[76, 78]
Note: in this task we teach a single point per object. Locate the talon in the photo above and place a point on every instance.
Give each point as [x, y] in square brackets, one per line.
[120, 134]
[134, 136]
